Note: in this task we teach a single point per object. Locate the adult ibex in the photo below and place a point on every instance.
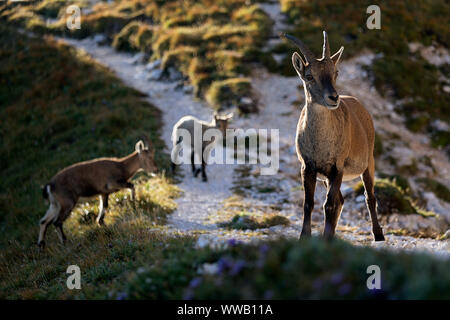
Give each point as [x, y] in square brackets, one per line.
[335, 139]
[86, 179]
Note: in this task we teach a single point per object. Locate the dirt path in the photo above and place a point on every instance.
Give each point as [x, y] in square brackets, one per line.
[202, 205]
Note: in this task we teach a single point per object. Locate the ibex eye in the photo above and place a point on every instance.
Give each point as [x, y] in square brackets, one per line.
[309, 77]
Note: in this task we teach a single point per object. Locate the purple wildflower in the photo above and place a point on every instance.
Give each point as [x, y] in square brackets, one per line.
[223, 264]
[122, 296]
[317, 284]
[237, 267]
[264, 249]
[195, 282]
[337, 278]
[345, 289]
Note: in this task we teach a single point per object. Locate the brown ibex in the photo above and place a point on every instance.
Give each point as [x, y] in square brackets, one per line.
[335, 139]
[90, 178]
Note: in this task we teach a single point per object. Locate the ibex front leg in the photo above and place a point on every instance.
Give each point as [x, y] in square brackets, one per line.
[309, 177]
[334, 203]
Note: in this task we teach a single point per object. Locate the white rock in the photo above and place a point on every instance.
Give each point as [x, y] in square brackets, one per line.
[246, 100]
[137, 58]
[153, 65]
[188, 89]
[209, 269]
[175, 75]
[155, 74]
[440, 125]
[346, 191]
[99, 38]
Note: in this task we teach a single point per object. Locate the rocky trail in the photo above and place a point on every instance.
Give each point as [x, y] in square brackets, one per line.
[236, 188]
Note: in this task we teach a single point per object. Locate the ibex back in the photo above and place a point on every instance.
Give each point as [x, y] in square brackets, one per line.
[335, 139]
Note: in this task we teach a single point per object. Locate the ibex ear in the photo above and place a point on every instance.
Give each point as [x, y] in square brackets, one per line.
[335, 57]
[299, 64]
[229, 116]
[139, 146]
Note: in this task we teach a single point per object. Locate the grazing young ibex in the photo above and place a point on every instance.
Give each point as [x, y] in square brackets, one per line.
[335, 138]
[188, 123]
[90, 178]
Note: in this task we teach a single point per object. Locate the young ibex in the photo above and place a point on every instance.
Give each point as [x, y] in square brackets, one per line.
[90, 178]
[188, 123]
[335, 139]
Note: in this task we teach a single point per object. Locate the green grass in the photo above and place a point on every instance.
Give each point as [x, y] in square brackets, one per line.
[394, 196]
[311, 269]
[436, 187]
[58, 107]
[407, 75]
[245, 221]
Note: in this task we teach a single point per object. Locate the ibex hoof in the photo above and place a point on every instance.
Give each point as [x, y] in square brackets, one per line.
[205, 179]
[41, 245]
[379, 237]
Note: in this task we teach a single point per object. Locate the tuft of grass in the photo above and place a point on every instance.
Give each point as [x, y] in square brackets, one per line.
[229, 90]
[378, 146]
[390, 197]
[440, 190]
[248, 222]
[49, 8]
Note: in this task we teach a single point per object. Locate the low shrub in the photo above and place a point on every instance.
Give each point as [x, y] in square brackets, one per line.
[248, 222]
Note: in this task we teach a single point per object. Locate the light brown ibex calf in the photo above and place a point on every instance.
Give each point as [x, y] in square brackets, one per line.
[90, 178]
[335, 139]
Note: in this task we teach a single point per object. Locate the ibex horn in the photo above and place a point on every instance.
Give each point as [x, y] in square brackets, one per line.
[326, 46]
[309, 56]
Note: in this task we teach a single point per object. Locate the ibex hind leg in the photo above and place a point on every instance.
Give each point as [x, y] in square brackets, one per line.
[65, 211]
[103, 205]
[50, 216]
[368, 181]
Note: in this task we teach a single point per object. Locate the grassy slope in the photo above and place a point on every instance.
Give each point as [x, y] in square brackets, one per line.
[405, 74]
[211, 42]
[58, 107]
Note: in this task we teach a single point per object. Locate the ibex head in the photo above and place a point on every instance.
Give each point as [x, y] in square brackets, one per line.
[222, 121]
[318, 75]
[146, 154]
